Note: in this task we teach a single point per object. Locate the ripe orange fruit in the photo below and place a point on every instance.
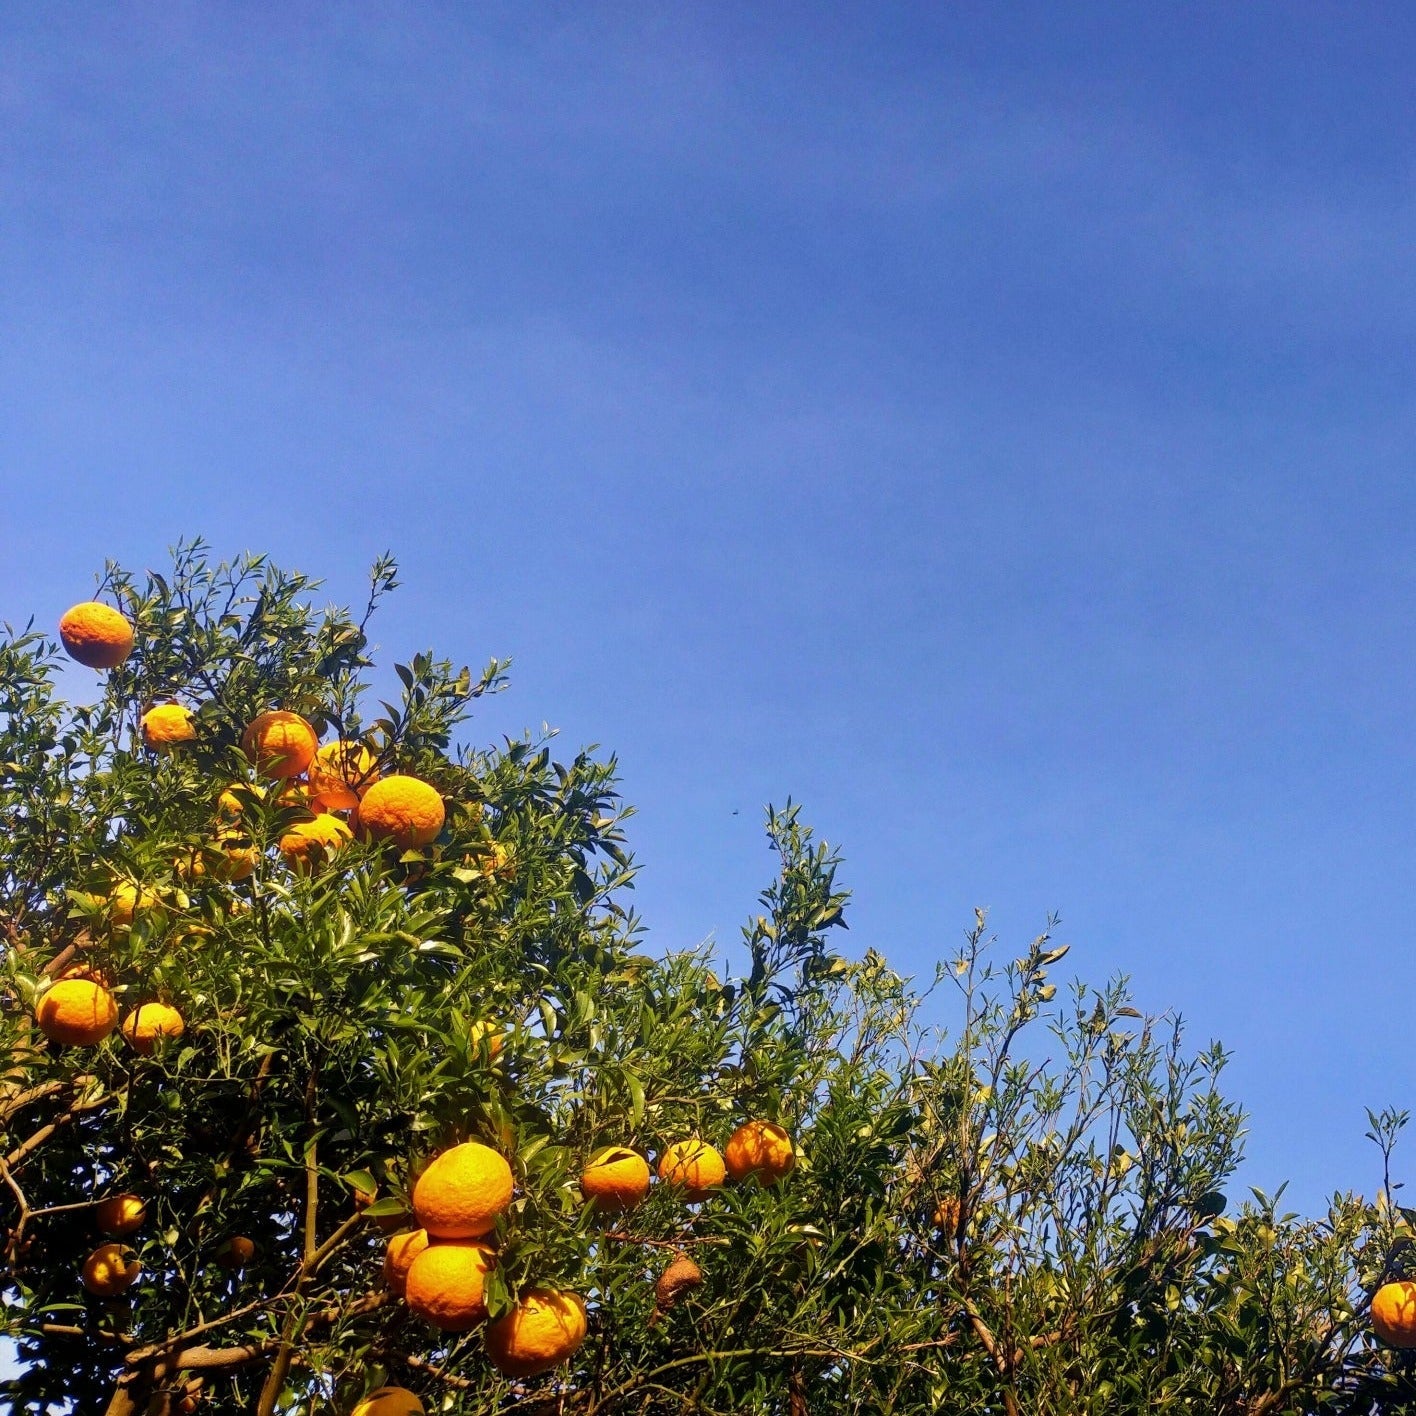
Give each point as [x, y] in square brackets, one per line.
[127, 901]
[340, 772]
[762, 1149]
[615, 1180]
[540, 1332]
[309, 844]
[402, 810]
[1394, 1314]
[166, 725]
[693, 1164]
[150, 1022]
[389, 1401]
[280, 744]
[96, 635]
[236, 1252]
[110, 1269]
[120, 1214]
[398, 1257]
[444, 1284]
[239, 861]
[460, 1195]
[77, 1011]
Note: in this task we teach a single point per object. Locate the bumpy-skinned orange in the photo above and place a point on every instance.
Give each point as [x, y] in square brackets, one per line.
[543, 1330]
[761, 1149]
[279, 743]
[96, 635]
[149, 1023]
[616, 1179]
[403, 810]
[1394, 1314]
[445, 1284]
[78, 1012]
[695, 1166]
[460, 1195]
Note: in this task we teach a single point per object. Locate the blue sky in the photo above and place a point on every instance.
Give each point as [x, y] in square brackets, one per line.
[991, 425]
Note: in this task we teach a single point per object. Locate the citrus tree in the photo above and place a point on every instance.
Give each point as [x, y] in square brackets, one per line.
[337, 1077]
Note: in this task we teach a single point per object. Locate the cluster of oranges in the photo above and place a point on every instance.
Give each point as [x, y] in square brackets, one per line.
[440, 1267]
[80, 1010]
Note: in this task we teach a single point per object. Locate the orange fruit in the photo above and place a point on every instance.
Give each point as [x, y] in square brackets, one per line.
[280, 744]
[120, 1214]
[389, 1401]
[444, 1284]
[340, 772]
[166, 725]
[236, 1252]
[762, 1149]
[238, 861]
[110, 1269]
[148, 1023]
[615, 1180]
[1394, 1314]
[402, 810]
[96, 635]
[540, 1332]
[127, 901]
[309, 844]
[482, 1031]
[77, 1011]
[231, 858]
[460, 1195]
[946, 1214]
[398, 1257]
[694, 1165]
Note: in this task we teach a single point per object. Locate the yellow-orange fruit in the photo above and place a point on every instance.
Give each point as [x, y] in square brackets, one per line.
[96, 635]
[694, 1165]
[110, 1269]
[483, 1031]
[402, 810]
[445, 1284]
[167, 725]
[761, 1149]
[389, 1401]
[498, 862]
[236, 1252]
[340, 773]
[309, 844]
[120, 1214]
[543, 1330]
[1394, 1314]
[280, 744]
[460, 1195]
[127, 901]
[76, 1011]
[150, 1022]
[230, 858]
[398, 1257]
[237, 861]
[615, 1180]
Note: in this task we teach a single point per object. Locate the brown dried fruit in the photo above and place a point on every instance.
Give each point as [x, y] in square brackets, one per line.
[679, 1278]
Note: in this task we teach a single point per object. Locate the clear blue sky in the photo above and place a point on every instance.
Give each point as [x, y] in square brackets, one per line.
[990, 424]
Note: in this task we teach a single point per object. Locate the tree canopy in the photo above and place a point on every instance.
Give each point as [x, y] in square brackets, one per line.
[991, 1190]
